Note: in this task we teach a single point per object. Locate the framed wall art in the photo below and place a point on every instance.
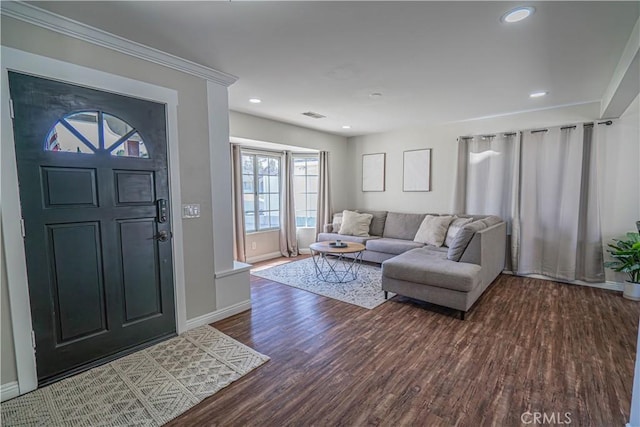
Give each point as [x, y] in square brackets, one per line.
[417, 170]
[373, 171]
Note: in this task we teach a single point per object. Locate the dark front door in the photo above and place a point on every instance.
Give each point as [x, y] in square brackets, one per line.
[92, 171]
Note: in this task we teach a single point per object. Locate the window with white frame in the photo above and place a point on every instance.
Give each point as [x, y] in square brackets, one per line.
[261, 191]
[305, 188]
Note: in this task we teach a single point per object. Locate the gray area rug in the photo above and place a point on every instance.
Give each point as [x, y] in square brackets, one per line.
[147, 388]
[365, 291]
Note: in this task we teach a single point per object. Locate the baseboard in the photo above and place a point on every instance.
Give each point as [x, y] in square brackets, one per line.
[217, 315]
[305, 251]
[609, 285]
[9, 390]
[264, 257]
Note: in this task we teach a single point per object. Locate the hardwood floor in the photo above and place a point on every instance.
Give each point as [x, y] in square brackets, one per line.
[528, 345]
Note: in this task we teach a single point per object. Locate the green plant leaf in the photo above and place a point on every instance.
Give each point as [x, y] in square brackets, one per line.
[627, 256]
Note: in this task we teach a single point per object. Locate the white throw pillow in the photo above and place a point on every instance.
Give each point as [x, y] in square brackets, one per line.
[337, 222]
[433, 230]
[454, 227]
[355, 224]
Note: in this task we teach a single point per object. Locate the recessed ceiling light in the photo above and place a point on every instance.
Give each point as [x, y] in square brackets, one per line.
[375, 95]
[517, 14]
[255, 100]
[346, 127]
[537, 94]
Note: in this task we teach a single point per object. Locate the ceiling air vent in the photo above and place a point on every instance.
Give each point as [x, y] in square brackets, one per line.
[314, 115]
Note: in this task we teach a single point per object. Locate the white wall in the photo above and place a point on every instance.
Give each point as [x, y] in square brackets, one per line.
[259, 129]
[618, 162]
[8, 372]
[262, 245]
[442, 140]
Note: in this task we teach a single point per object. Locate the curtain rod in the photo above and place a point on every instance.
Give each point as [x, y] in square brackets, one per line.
[590, 124]
[606, 122]
[265, 151]
[488, 136]
[271, 152]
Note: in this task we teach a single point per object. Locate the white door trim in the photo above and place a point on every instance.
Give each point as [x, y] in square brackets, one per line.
[17, 60]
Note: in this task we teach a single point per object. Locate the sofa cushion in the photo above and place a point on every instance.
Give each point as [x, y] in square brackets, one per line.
[428, 267]
[355, 224]
[402, 226]
[392, 246]
[433, 230]
[377, 223]
[454, 227]
[331, 237]
[463, 237]
[337, 222]
[440, 249]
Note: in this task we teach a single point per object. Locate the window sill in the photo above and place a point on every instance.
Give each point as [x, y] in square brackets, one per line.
[269, 230]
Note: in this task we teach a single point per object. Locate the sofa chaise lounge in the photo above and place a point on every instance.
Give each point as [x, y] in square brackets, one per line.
[454, 276]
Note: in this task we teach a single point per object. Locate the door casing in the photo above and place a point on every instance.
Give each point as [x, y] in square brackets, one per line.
[24, 62]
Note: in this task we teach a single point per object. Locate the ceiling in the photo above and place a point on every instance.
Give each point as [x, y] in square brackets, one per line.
[433, 62]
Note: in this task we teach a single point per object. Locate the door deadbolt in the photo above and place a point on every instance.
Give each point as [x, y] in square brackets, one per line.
[162, 236]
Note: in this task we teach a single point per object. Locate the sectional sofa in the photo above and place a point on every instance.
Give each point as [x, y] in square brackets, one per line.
[453, 277]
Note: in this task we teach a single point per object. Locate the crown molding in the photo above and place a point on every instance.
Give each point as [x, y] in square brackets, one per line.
[63, 25]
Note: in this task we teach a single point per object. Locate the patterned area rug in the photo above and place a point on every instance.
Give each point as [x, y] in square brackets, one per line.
[147, 388]
[365, 291]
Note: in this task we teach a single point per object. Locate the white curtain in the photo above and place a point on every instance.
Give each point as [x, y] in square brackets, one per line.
[288, 240]
[324, 192]
[544, 184]
[238, 207]
[493, 162]
[488, 177]
[560, 228]
[590, 257]
[550, 201]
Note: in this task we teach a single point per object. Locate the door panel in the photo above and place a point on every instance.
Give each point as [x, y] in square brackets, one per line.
[139, 264]
[77, 276]
[91, 167]
[134, 187]
[69, 187]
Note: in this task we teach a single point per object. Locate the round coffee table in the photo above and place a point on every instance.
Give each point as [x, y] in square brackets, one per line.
[331, 264]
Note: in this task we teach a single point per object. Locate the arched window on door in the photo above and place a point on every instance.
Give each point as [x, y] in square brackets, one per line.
[91, 131]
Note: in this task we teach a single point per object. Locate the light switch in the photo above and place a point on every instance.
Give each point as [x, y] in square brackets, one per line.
[191, 211]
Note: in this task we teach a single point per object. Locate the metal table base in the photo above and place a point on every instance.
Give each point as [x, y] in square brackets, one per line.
[335, 267]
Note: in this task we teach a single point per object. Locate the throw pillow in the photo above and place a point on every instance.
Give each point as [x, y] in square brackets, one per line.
[377, 223]
[433, 230]
[337, 222]
[462, 239]
[355, 224]
[454, 227]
